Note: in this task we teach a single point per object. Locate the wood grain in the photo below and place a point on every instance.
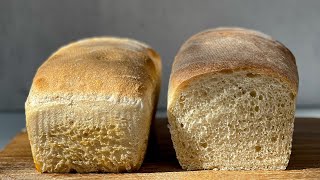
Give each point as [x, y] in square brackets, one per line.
[160, 163]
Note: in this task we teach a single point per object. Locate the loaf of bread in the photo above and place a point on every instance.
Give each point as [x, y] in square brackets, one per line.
[231, 101]
[91, 104]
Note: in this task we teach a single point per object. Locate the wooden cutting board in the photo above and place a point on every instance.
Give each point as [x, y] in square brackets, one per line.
[160, 163]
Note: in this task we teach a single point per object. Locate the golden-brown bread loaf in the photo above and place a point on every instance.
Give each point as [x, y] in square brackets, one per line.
[91, 104]
[231, 101]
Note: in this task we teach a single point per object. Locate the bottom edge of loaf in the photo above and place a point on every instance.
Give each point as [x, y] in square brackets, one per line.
[99, 170]
[230, 168]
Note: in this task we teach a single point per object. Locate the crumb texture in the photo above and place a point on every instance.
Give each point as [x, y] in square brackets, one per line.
[87, 138]
[233, 121]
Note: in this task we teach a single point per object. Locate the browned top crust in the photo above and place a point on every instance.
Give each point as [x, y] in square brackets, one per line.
[102, 65]
[232, 49]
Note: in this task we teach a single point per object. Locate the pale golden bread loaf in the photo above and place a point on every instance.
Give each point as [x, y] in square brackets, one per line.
[91, 104]
[231, 101]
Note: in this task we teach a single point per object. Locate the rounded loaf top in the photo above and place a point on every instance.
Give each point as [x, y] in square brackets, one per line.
[105, 65]
[232, 49]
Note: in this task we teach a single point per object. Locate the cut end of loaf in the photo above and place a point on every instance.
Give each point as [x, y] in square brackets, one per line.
[233, 121]
[83, 137]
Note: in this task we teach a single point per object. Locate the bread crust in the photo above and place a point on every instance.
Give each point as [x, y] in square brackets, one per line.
[103, 65]
[224, 50]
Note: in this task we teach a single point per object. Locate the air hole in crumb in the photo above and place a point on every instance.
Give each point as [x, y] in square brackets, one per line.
[73, 171]
[251, 75]
[181, 125]
[181, 100]
[292, 96]
[260, 97]
[85, 134]
[256, 108]
[282, 105]
[282, 137]
[226, 71]
[183, 145]
[204, 145]
[253, 94]
[204, 94]
[181, 105]
[112, 126]
[260, 158]
[274, 139]
[71, 122]
[258, 148]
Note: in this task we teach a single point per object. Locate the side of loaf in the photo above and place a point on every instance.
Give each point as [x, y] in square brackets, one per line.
[90, 106]
[231, 101]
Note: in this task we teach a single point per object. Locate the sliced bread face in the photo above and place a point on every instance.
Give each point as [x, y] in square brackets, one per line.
[241, 120]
